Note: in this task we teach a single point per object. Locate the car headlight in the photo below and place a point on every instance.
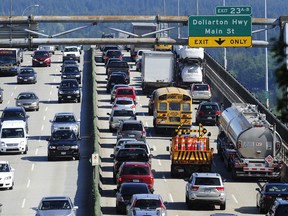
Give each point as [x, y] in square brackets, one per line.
[64, 76]
[46, 60]
[74, 147]
[8, 178]
[52, 147]
[75, 127]
[2, 143]
[76, 92]
[60, 92]
[22, 143]
[78, 75]
[34, 103]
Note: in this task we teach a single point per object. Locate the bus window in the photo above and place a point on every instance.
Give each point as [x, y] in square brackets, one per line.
[186, 107]
[174, 106]
[163, 106]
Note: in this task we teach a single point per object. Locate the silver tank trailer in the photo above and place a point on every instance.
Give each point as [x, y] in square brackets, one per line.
[249, 131]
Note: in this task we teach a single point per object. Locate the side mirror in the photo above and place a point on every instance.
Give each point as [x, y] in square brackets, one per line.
[47, 139]
[151, 149]
[112, 156]
[258, 189]
[167, 148]
[109, 114]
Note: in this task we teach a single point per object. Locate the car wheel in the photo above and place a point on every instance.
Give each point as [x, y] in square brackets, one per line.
[261, 210]
[77, 157]
[25, 152]
[78, 100]
[79, 61]
[50, 158]
[11, 188]
[223, 206]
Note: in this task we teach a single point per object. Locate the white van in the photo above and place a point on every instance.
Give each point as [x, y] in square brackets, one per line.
[13, 137]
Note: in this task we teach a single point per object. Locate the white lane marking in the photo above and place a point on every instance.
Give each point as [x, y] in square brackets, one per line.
[164, 179]
[236, 201]
[23, 203]
[44, 117]
[28, 183]
[140, 105]
[46, 108]
[154, 148]
[146, 123]
[159, 162]
[32, 167]
[36, 151]
[42, 127]
[171, 198]
[50, 92]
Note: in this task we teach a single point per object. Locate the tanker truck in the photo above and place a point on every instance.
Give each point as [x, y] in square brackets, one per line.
[248, 143]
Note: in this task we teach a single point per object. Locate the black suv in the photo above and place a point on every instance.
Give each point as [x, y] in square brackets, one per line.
[116, 78]
[207, 113]
[69, 90]
[15, 113]
[128, 154]
[71, 72]
[63, 143]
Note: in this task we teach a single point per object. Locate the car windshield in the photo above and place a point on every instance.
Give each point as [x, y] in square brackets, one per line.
[64, 118]
[129, 190]
[9, 114]
[123, 113]
[209, 107]
[124, 102]
[69, 84]
[143, 146]
[128, 127]
[4, 168]
[148, 204]
[26, 71]
[72, 49]
[200, 88]
[117, 79]
[39, 54]
[132, 155]
[26, 96]
[70, 69]
[125, 91]
[114, 54]
[63, 135]
[12, 133]
[53, 205]
[207, 181]
[277, 188]
[134, 170]
[119, 64]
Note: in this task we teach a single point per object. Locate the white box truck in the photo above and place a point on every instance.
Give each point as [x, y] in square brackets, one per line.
[157, 70]
[13, 137]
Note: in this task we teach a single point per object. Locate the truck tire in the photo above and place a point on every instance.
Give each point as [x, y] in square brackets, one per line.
[150, 112]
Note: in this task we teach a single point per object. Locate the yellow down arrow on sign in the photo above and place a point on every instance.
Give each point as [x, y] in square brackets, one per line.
[220, 41]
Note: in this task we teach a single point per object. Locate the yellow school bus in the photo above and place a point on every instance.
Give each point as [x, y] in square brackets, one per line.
[171, 107]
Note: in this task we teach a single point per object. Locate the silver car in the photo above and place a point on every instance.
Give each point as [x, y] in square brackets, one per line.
[28, 100]
[65, 121]
[56, 205]
[201, 92]
[132, 129]
[205, 188]
[117, 115]
[146, 204]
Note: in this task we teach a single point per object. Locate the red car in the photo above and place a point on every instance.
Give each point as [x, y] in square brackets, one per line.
[128, 92]
[41, 58]
[136, 172]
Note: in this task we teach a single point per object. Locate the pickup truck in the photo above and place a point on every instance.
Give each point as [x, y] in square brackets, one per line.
[119, 66]
[71, 52]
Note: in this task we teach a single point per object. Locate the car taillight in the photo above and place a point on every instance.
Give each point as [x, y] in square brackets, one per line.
[120, 180]
[143, 132]
[220, 188]
[115, 106]
[201, 113]
[121, 199]
[133, 106]
[217, 112]
[194, 188]
[134, 203]
[128, 72]
[151, 179]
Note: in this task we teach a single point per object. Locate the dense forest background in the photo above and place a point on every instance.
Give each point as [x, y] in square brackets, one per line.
[247, 64]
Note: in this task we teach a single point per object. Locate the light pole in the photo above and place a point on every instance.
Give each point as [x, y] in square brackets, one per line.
[30, 6]
[178, 12]
[225, 51]
[266, 62]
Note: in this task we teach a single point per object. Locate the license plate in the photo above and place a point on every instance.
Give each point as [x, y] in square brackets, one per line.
[41, 62]
[68, 96]
[63, 153]
[180, 170]
[131, 135]
[136, 180]
[25, 80]
[209, 118]
[207, 190]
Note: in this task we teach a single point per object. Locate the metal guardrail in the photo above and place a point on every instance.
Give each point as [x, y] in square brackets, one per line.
[234, 91]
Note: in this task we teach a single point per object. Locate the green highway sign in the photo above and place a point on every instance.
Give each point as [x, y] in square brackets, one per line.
[205, 26]
[240, 10]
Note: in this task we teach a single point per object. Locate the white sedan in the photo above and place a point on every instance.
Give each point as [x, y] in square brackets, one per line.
[6, 175]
